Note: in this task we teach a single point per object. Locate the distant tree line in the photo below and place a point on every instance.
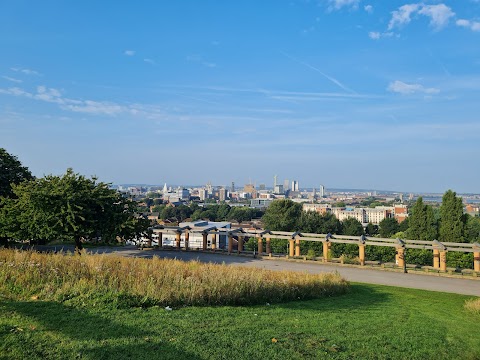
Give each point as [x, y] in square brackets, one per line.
[448, 223]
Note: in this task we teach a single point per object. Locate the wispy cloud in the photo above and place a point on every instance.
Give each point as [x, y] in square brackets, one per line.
[12, 79]
[25, 71]
[196, 58]
[439, 15]
[338, 4]
[403, 88]
[332, 79]
[129, 52]
[368, 8]
[149, 61]
[472, 25]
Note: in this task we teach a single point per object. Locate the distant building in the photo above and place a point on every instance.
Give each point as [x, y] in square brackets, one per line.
[322, 192]
[261, 187]
[278, 189]
[295, 186]
[286, 185]
[320, 208]
[260, 203]
[202, 194]
[222, 194]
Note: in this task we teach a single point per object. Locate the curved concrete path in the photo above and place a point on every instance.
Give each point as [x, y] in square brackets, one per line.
[353, 274]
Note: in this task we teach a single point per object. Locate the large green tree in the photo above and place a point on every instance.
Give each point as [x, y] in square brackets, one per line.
[69, 207]
[11, 172]
[422, 223]
[452, 219]
[282, 215]
[388, 227]
[353, 227]
[313, 222]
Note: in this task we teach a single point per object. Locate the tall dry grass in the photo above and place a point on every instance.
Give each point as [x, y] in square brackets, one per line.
[119, 281]
[473, 305]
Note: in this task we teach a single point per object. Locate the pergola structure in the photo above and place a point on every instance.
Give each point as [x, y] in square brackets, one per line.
[439, 249]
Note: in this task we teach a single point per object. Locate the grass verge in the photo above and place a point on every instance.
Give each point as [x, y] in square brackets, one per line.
[93, 280]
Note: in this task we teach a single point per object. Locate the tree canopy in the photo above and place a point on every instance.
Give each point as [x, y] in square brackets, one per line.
[11, 172]
[452, 223]
[69, 207]
[282, 215]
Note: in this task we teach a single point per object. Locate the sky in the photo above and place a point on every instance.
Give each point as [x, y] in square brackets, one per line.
[345, 93]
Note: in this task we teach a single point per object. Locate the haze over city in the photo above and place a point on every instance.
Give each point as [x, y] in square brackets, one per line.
[346, 93]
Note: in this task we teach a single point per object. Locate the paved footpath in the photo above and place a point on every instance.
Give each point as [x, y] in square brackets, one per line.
[354, 274]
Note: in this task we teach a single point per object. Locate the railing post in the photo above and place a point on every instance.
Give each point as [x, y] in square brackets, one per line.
[230, 243]
[160, 240]
[476, 261]
[240, 244]
[214, 241]
[187, 238]
[204, 244]
[361, 254]
[326, 251]
[291, 248]
[436, 258]
[443, 260]
[401, 257]
[269, 246]
[297, 247]
[179, 235]
[260, 245]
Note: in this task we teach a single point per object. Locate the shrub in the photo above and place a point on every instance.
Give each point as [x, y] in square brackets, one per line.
[473, 305]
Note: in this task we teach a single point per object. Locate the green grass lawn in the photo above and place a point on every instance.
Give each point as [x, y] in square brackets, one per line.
[371, 322]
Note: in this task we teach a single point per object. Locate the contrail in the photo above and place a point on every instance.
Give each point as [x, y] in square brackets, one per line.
[335, 81]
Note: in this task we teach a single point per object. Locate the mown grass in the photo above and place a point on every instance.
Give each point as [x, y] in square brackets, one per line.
[116, 281]
[370, 322]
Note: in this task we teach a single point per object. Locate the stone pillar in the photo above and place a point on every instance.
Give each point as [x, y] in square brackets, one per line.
[297, 247]
[361, 254]
[187, 239]
[260, 245]
[230, 244]
[179, 238]
[436, 259]
[291, 248]
[149, 242]
[160, 239]
[443, 260]
[401, 257]
[326, 251]
[204, 244]
[240, 244]
[269, 246]
[476, 261]
[214, 241]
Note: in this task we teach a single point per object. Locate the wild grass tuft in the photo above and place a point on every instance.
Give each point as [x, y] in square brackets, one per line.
[124, 282]
[473, 305]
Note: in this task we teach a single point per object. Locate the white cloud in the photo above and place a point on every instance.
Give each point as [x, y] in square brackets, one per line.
[375, 35]
[338, 4]
[402, 15]
[129, 52]
[25, 71]
[368, 8]
[12, 79]
[149, 61]
[403, 88]
[439, 15]
[472, 25]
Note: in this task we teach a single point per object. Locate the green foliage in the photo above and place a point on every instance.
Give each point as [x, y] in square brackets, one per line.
[311, 254]
[279, 246]
[472, 231]
[69, 207]
[388, 227]
[371, 229]
[422, 222]
[313, 222]
[383, 254]
[460, 260]
[349, 250]
[353, 227]
[419, 257]
[11, 172]
[452, 225]
[282, 215]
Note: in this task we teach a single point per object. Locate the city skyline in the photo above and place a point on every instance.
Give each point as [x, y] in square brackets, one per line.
[347, 93]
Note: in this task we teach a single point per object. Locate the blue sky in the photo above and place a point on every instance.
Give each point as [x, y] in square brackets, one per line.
[345, 93]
